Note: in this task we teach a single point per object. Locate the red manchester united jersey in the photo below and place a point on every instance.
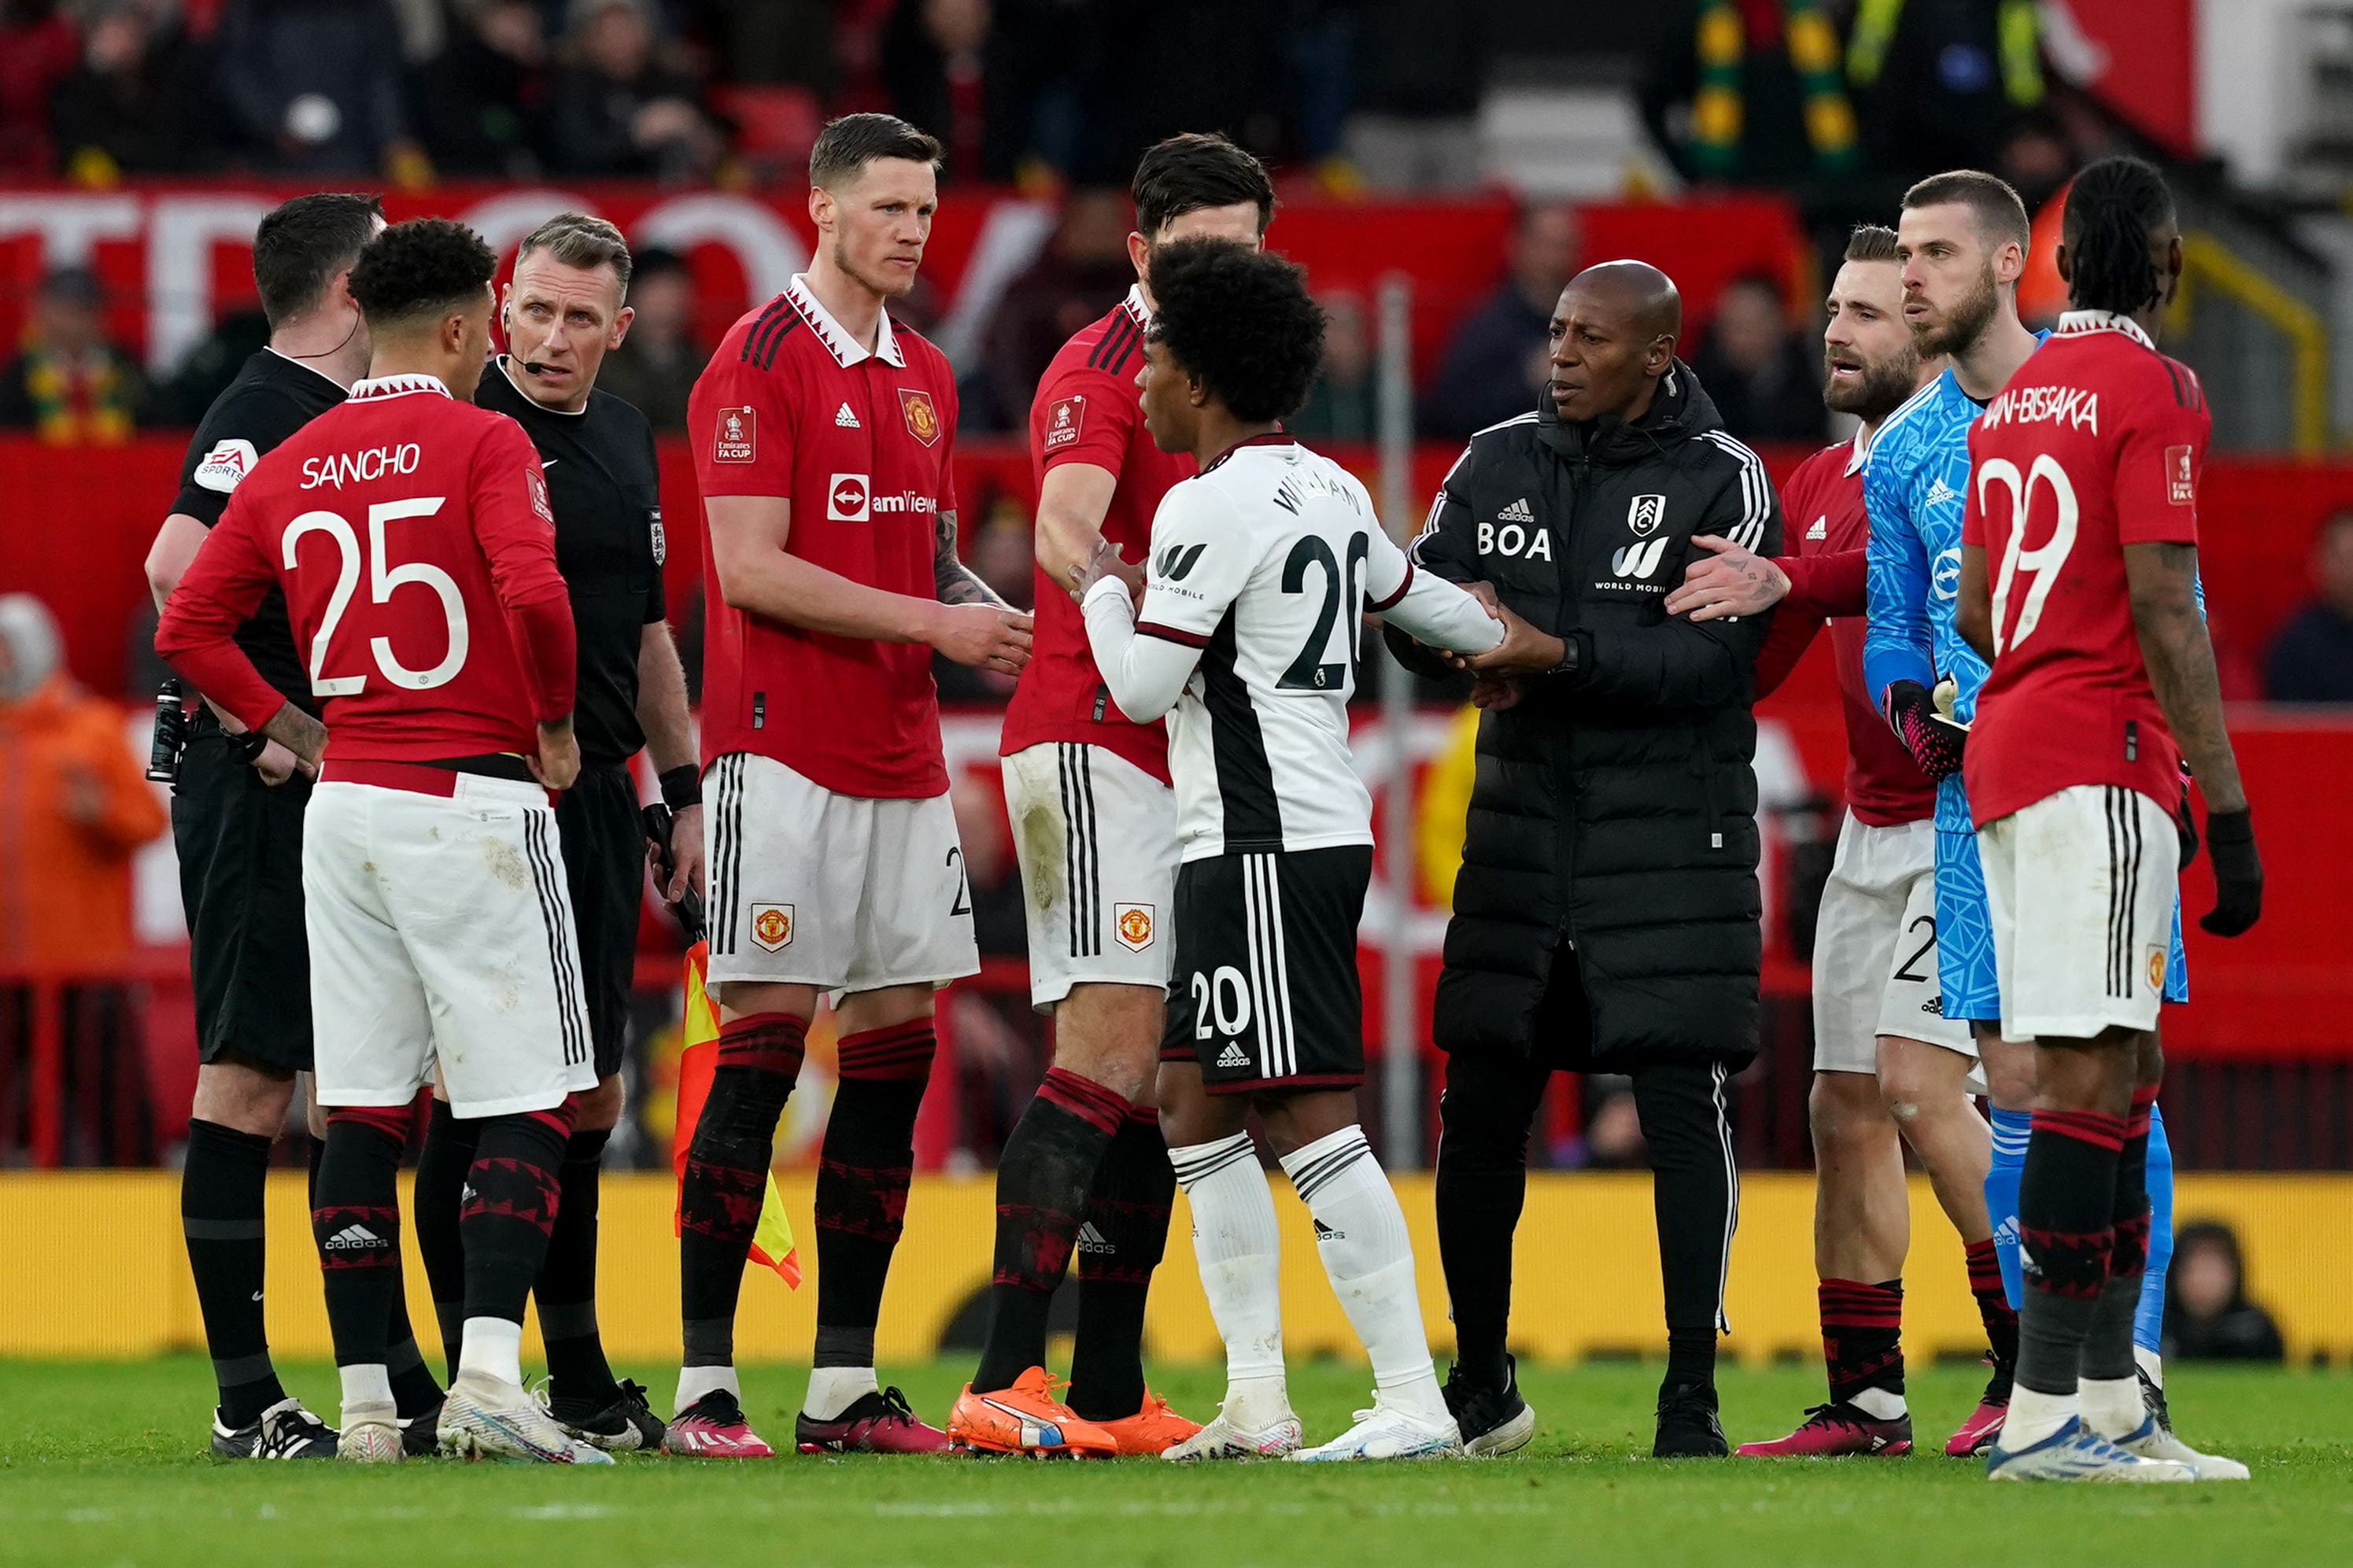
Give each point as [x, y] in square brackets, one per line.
[858, 441]
[2095, 444]
[1822, 498]
[1087, 411]
[412, 536]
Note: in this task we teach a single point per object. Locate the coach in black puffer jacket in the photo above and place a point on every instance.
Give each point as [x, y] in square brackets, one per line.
[1606, 914]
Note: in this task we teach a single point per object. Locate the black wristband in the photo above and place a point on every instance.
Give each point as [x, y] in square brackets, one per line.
[2228, 829]
[247, 747]
[681, 786]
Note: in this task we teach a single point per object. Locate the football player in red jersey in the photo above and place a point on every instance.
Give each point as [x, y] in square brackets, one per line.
[1889, 1068]
[821, 432]
[411, 534]
[2079, 570]
[1079, 775]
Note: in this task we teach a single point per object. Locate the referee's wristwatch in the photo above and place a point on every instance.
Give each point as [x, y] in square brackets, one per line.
[1571, 661]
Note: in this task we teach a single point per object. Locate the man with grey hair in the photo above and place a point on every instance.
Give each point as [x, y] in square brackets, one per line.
[562, 312]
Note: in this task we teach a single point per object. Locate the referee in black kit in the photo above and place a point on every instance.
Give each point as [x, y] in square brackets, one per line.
[562, 314]
[236, 828]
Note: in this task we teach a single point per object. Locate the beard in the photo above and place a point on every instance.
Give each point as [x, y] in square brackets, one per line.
[1882, 389]
[1962, 323]
[884, 285]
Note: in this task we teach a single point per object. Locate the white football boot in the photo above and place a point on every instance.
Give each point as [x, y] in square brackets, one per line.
[2076, 1453]
[486, 1418]
[1385, 1432]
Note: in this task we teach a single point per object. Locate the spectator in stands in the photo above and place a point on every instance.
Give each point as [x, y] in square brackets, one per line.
[1765, 380]
[37, 48]
[314, 85]
[1939, 85]
[2312, 655]
[1343, 404]
[656, 364]
[943, 65]
[477, 97]
[139, 102]
[2207, 1314]
[1083, 272]
[1495, 364]
[208, 368]
[618, 108]
[74, 804]
[68, 384]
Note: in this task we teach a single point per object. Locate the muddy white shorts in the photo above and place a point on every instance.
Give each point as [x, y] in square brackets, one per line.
[442, 942]
[1097, 839]
[2081, 889]
[843, 892]
[1875, 949]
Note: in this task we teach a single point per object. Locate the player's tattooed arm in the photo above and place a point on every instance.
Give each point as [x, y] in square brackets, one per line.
[955, 583]
[2162, 581]
[299, 733]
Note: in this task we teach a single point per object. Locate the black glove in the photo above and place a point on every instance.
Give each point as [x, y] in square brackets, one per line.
[689, 907]
[2185, 823]
[1934, 741]
[2238, 873]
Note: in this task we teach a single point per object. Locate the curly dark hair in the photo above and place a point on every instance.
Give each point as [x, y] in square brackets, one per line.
[1241, 322]
[425, 265]
[2112, 207]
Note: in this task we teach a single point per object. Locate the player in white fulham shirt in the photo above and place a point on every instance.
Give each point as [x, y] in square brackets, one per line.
[1259, 571]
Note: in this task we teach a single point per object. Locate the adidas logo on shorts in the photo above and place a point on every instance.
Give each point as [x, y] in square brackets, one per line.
[846, 420]
[1516, 512]
[1233, 1055]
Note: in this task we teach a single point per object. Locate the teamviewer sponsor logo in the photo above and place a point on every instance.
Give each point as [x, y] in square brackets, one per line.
[846, 499]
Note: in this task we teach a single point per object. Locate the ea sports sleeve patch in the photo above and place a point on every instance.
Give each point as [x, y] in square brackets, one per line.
[224, 465]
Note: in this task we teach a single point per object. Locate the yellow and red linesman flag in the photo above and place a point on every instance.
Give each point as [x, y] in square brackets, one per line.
[697, 1059]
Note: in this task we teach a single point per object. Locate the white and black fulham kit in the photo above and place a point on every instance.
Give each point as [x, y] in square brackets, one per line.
[1261, 568]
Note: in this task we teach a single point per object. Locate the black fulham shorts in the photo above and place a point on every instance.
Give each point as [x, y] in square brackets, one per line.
[605, 862]
[239, 844]
[1265, 993]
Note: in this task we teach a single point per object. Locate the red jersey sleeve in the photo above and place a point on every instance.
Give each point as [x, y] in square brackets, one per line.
[2160, 447]
[197, 633]
[743, 424]
[1825, 586]
[1084, 415]
[947, 496]
[516, 526]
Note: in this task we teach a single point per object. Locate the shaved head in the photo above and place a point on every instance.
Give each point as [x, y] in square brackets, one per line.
[1612, 336]
[1647, 296]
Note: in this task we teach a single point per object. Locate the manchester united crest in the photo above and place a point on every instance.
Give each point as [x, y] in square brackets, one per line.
[1132, 923]
[772, 926]
[923, 419]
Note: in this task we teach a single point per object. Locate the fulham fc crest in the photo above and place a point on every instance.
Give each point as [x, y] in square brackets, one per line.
[1132, 924]
[923, 419]
[772, 926]
[1645, 515]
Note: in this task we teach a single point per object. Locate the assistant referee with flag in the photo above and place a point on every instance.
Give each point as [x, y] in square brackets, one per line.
[562, 314]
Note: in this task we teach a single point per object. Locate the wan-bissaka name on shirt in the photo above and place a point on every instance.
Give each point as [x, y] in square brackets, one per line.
[2073, 405]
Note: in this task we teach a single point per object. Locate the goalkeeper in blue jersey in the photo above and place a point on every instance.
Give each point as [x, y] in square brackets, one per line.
[1962, 241]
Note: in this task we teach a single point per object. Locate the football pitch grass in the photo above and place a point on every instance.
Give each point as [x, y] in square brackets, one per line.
[103, 1463]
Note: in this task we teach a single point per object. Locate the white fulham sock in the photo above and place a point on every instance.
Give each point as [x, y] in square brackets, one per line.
[1240, 1255]
[2034, 1416]
[834, 1389]
[1360, 1234]
[2112, 1406]
[366, 1382]
[492, 1347]
[694, 1381]
[2150, 1361]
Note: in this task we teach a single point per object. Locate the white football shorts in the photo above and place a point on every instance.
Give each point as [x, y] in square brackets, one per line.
[844, 892]
[2081, 889]
[1875, 949]
[1097, 839]
[442, 940]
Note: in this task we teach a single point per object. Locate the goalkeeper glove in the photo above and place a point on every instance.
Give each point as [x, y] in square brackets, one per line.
[2238, 873]
[1933, 740]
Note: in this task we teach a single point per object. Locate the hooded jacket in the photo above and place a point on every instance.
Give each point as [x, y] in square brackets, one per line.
[1614, 805]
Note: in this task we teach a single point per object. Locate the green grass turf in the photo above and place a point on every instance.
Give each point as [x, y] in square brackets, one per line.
[102, 1464]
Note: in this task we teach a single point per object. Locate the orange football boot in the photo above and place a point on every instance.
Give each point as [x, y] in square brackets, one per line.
[1152, 1430]
[1026, 1419]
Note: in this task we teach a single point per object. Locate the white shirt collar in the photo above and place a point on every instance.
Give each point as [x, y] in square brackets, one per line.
[396, 386]
[1859, 448]
[846, 350]
[306, 364]
[2076, 322]
[1135, 305]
